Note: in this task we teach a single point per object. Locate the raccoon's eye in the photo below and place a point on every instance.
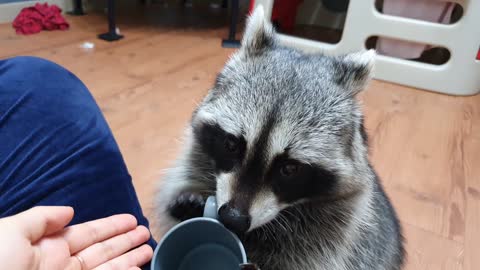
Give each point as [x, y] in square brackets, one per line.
[289, 169]
[231, 144]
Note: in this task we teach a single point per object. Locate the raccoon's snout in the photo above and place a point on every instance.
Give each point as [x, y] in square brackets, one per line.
[233, 219]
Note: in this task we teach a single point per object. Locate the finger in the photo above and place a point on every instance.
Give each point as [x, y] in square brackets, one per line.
[111, 248]
[130, 260]
[83, 235]
[40, 221]
[75, 264]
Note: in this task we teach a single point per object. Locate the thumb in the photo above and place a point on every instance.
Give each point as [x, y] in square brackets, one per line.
[42, 221]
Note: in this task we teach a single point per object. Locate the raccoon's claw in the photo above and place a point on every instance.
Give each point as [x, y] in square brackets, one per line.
[187, 205]
[249, 266]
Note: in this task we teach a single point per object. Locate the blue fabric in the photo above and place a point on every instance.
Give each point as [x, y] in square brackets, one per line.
[56, 147]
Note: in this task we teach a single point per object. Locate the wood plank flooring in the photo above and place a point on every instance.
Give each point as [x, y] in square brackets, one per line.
[425, 146]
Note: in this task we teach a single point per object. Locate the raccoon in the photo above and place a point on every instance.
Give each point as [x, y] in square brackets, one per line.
[279, 139]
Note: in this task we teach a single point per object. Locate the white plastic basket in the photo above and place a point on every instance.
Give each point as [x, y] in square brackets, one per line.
[459, 76]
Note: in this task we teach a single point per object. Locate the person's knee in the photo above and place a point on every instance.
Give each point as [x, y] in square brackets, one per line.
[50, 87]
[39, 71]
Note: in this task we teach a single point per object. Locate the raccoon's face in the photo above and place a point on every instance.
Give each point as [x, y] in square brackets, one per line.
[281, 127]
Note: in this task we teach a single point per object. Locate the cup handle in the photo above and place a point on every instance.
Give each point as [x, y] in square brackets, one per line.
[210, 209]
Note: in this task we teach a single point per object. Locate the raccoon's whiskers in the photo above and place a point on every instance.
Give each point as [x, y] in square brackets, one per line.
[269, 231]
[285, 221]
[278, 221]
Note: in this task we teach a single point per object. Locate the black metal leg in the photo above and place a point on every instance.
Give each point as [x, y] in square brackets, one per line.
[224, 3]
[77, 8]
[231, 42]
[111, 35]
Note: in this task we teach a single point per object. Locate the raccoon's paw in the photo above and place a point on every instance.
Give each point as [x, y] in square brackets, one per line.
[187, 205]
[249, 266]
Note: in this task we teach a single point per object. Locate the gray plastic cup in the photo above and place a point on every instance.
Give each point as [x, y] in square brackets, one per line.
[200, 243]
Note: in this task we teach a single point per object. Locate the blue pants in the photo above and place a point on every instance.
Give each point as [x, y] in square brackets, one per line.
[56, 147]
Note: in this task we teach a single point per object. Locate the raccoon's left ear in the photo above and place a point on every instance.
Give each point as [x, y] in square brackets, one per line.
[259, 34]
[354, 71]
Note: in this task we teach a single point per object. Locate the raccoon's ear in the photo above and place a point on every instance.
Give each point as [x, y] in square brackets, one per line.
[259, 34]
[354, 71]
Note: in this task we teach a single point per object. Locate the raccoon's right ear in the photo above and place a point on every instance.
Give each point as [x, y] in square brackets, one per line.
[353, 71]
[259, 34]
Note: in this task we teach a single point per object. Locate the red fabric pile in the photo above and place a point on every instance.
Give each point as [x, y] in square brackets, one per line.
[32, 20]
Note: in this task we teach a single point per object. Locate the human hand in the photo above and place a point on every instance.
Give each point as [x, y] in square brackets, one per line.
[38, 240]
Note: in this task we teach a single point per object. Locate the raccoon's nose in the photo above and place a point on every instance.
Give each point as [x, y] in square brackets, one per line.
[233, 219]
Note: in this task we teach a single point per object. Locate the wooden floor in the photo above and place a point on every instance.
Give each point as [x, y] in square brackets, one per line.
[425, 146]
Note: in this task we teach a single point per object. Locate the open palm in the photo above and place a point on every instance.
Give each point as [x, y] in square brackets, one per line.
[37, 239]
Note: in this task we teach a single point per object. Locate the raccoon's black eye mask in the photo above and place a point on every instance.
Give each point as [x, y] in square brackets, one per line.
[293, 180]
[224, 148]
[290, 179]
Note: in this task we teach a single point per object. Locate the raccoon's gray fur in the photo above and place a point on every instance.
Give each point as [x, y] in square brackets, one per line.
[280, 141]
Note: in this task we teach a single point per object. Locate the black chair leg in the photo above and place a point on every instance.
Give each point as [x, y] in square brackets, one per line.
[111, 35]
[231, 42]
[77, 8]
